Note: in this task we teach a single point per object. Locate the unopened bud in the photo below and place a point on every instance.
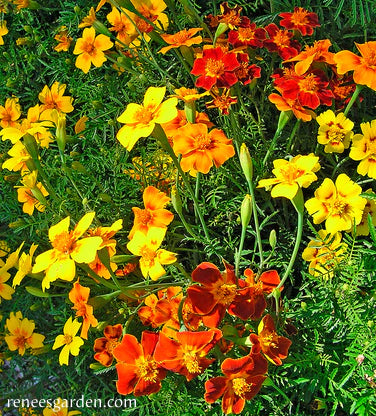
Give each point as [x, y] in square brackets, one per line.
[246, 211]
[101, 28]
[273, 239]
[61, 132]
[31, 145]
[176, 200]
[246, 162]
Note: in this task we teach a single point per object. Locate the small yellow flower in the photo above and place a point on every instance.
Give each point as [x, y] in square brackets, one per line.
[19, 157]
[6, 291]
[24, 265]
[339, 205]
[291, 175]
[3, 31]
[335, 131]
[54, 99]
[32, 194]
[152, 257]
[140, 120]
[69, 341]
[59, 408]
[10, 112]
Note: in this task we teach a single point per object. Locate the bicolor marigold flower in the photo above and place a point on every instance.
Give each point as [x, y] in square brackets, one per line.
[183, 38]
[246, 72]
[300, 19]
[230, 16]
[63, 39]
[54, 99]
[247, 34]
[70, 342]
[280, 41]
[104, 347]
[287, 104]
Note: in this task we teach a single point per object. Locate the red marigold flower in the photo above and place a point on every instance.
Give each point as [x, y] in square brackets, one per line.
[186, 354]
[301, 19]
[242, 381]
[274, 347]
[104, 346]
[216, 67]
[230, 16]
[247, 34]
[192, 320]
[280, 41]
[343, 87]
[216, 293]
[138, 371]
[246, 72]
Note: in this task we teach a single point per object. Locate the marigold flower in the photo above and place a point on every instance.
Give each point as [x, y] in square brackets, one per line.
[363, 66]
[189, 95]
[32, 194]
[138, 371]
[19, 157]
[24, 265]
[216, 67]
[301, 20]
[246, 72]
[152, 257]
[140, 120]
[273, 346]
[63, 39]
[247, 34]
[363, 148]
[6, 291]
[201, 149]
[3, 31]
[104, 347]
[60, 408]
[54, 99]
[154, 214]
[69, 341]
[124, 28]
[370, 209]
[183, 38]
[230, 15]
[287, 104]
[291, 175]
[22, 334]
[324, 253]
[335, 131]
[79, 296]
[343, 88]
[10, 112]
[90, 49]
[339, 205]
[281, 41]
[187, 353]
[222, 101]
[68, 248]
[242, 380]
[88, 20]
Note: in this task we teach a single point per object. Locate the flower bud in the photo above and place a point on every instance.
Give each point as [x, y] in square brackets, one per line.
[101, 28]
[31, 145]
[246, 162]
[61, 132]
[273, 239]
[176, 200]
[246, 211]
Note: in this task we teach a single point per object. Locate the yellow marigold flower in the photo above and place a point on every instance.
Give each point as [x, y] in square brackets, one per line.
[88, 20]
[324, 253]
[339, 205]
[3, 31]
[124, 28]
[10, 112]
[6, 291]
[63, 39]
[370, 208]
[69, 341]
[152, 257]
[335, 131]
[140, 120]
[291, 175]
[183, 38]
[31, 194]
[59, 408]
[19, 157]
[189, 95]
[22, 334]
[364, 149]
[24, 265]
[54, 99]
[90, 49]
[68, 248]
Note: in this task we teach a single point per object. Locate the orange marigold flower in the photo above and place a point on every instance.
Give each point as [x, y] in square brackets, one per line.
[154, 214]
[88, 20]
[124, 28]
[364, 66]
[183, 38]
[200, 149]
[216, 67]
[10, 112]
[222, 101]
[186, 354]
[189, 95]
[273, 346]
[281, 41]
[79, 296]
[104, 347]
[301, 20]
[54, 99]
[138, 371]
[287, 104]
[90, 49]
[242, 380]
[63, 39]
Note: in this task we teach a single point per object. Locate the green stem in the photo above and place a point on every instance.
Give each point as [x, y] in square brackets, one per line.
[357, 91]
[292, 135]
[256, 221]
[240, 249]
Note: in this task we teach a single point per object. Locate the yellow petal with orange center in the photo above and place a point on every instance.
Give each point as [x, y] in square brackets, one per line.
[85, 249]
[58, 228]
[154, 96]
[167, 111]
[6, 291]
[83, 224]
[83, 62]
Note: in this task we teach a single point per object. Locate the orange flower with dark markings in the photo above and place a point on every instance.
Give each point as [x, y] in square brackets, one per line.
[273, 346]
[186, 354]
[281, 41]
[246, 72]
[138, 371]
[104, 347]
[200, 149]
[154, 214]
[301, 20]
[230, 16]
[216, 67]
[242, 380]
[247, 34]
[183, 38]
[364, 66]
[286, 104]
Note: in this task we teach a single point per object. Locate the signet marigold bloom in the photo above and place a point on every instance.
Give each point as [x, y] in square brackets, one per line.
[63, 39]
[10, 112]
[24, 265]
[31, 194]
[3, 31]
[247, 34]
[152, 257]
[287, 104]
[362, 228]
[223, 101]
[216, 67]
[291, 175]
[124, 28]
[70, 342]
[6, 291]
[324, 253]
[138, 371]
[68, 248]
[339, 204]
[140, 120]
[189, 95]
[154, 214]
[364, 66]
[363, 148]
[79, 296]
[183, 38]
[187, 353]
[273, 346]
[335, 131]
[230, 16]
[54, 99]
[19, 157]
[88, 20]
[280, 41]
[59, 403]
[246, 72]
[22, 334]
[90, 49]
[104, 347]
[242, 380]
[200, 148]
[300, 19]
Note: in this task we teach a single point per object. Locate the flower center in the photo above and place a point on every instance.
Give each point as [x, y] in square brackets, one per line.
[268, 340]
[370, 59]
[240, 386]
[68, 339]
[191, 362]
[64, 242]
[340, 207]
[299, 17]
[335, 134]
[308, 83]
[142, 25]
[291, 173]
[89, 48]
[203, 142]
[246, 33]
[225, 294]
[148, 255]
[181, 36]
[144, 216]
[282, 39]
[232, 18]
[214, 68]
[144, 115]
[111, 344]
[20, 341]
[148, 370]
